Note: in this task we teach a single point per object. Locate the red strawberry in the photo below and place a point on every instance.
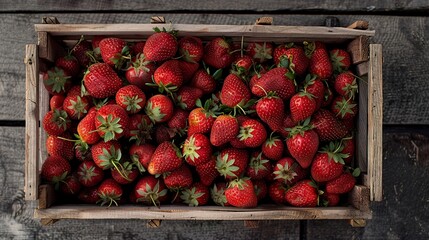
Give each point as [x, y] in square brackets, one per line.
[69, 64]
[55, 122]
[288, 171]
[320, 63]
[295, 57]
[140, 128]
[55, 169]
[167, 157]
[197, 149]
[342, 184]
[346, 85]
[137, 47]
[259, 166]
[159, 108]
[241, 193]
[242, 66]
[330, 199]
[151, 190]
[196, 195]
[191, 48]
[178, 179]
[302, 144]
[232, 162]
[217, 194]
[107, 155]
[163, 133]
[126, 175]
[204, 81]
[178, 122]
[160, 46]
[60, 147]
[345, 109]
[57, 81]
[76, 106]
[271, 111]
[277, 191]
[140, 71]
[101, 81]
[252, 133]
[236, 142]
[95, 44]
[303, 194]
[224, 129]
[207, 171]
[302, 105]
[80, 52]
[70, 185]
[288, 124]
[277, 80]
[86, 128]
[234, 92]
[315, 87]
[260, 51]
[348, 144]
[131, 98]
[187, 97]
[141, 154]
[340, 59]
[56, 101]
[201, 119]
[188, 70]
[261, 189]
[273, 148]
[328, 164]
[89, 174]
[89, 195]
[217, 53]
[110, 192]
[112, 51]
[111, 122]
[82, 152]
[168, 76]
[327, 126]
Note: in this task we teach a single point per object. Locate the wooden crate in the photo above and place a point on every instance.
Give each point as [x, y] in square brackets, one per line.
[366, 58]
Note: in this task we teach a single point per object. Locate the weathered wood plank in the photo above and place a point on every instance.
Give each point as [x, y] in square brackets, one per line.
[192, 6]
[403, 38]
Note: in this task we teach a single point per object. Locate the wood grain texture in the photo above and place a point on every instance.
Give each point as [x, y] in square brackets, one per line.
[190, 5]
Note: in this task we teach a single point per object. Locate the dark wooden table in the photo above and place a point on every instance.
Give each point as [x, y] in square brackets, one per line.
[402, 27]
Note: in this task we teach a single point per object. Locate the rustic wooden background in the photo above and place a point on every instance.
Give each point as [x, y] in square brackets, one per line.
[402, 27]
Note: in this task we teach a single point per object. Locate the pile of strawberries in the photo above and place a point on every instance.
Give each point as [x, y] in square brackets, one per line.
[176, 120]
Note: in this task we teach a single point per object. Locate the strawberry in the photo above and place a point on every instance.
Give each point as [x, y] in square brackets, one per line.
[196, 195]
[204, 81]
[179, 179]
[126, 175]
[131, 98]
[113, 50]
[260, 51]
[86, 128]
[241, 193]
[232, 162]
[252, 133]
[56, 101]
[270, 110]
[187, 97]
[110, 192]
[101, 81]
[137, 47]
[302, 144]
[259, 166]
[217, 53]
[327, 126]
[292, 56]
[197, 149]
[277, 191]
[80, 51]
[167, 157]
[178, 122]
[111, 122]
[70, 185]
[303, 194]
[89, 174]
[159, 108]
[342, 184]
[60, 146]
[273, 148]
[55, 169]
[207, 172]
[330, 199]
[56, 81]
[163, 133]
[140, 128]
[191, 48]
[320, 63]
[288, 171]
[224, 129]
[168, 76]
[188, 70]
[278, 80]
[315, 87]
[69, 64]
[261, 189]
[242, 66]
[82, 152]
[217, 194]
[150, 190]
[89, 195]
[234, 92]
[55, 122]
[340, 60]
[201, 119]
[345, 109]
[302, 105]
[140, 155]
[76, 106]
[95, 44]
[328, 163]
[346, 85]
[107, 155]
[348, 144]
[140, 71]
[160, 46]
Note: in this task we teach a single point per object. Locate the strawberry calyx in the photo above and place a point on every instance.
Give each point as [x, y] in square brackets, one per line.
[262, 52]
[344, 106]
[132, 103]
[109, 198]
[285, 172]
[258, 163]
[56, 180]
[57, 79]
[151, 196]
[142, 133]
[135, 160]
[334, 150]
[218, 195]
[111, 159]
[239, 183]
[154, 113]
[60, 118]
[110, 126]
[78, 106]
[337, 62]
[225, 166]
[172, 32]
[190, 196]
[190, 150]
[300, 128]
